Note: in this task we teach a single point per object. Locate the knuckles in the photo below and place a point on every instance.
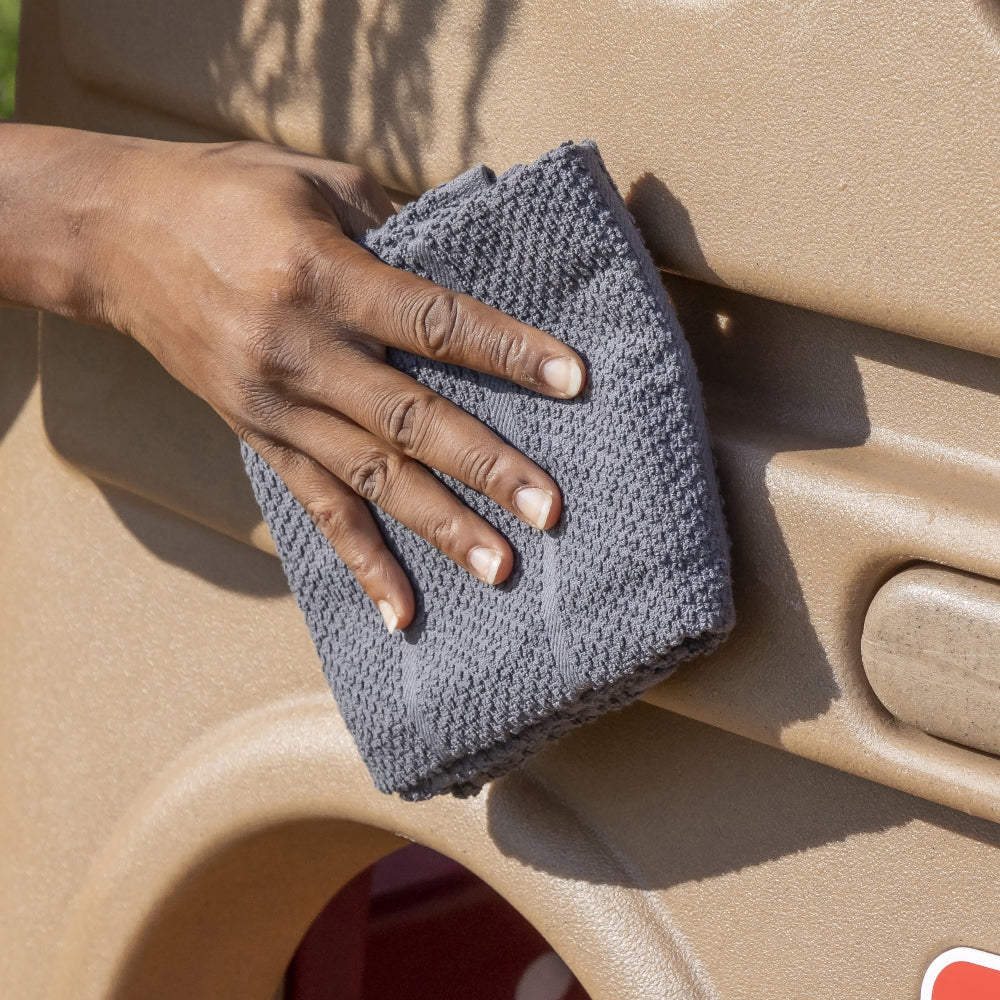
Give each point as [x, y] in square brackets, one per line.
[444, 331]
[262, 367]
[507, 353]
[301, 277]
[406, 421]
[369, 476]
[438, 324]
[482, 471]
[342, 531]
[328, 519]
[257, 407]
[361, 185]
[271, 356]
[362, 562]
[442, 532]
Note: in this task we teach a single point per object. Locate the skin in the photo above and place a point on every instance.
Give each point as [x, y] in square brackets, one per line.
[234, 265]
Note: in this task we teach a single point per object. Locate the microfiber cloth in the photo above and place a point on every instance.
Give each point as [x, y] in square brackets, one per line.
[633, 579]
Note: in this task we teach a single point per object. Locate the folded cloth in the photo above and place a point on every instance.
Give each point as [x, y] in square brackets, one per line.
[633, 579]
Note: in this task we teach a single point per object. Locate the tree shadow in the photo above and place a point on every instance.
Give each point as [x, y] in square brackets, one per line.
[369, 67]
[222, 561]
[19, 371]
[497, 19]
[697, 802]
[774, 379]
[401, 84]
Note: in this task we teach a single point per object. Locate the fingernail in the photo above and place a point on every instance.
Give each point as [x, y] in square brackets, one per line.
[534, 504]
[486, 563]
[389, 616]
[563, 375]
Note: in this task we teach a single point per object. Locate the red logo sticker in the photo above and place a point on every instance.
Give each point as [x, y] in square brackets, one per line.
[962, 974]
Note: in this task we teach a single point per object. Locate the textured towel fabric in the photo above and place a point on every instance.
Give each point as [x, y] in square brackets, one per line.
[633, 579]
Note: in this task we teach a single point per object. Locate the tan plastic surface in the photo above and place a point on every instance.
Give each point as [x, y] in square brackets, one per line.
[178, 793]
[845, 453]
[931, 649]
[836, 154]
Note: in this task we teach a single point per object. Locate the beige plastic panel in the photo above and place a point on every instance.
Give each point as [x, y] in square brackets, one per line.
[112, 410]
[845, 453]
[931, 649]
[837, 155]
[178, 795]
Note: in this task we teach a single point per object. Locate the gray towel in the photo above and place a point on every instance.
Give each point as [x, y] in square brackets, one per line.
[633, 579]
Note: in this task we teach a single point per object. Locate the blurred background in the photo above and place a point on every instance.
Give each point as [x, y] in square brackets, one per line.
[9, 10]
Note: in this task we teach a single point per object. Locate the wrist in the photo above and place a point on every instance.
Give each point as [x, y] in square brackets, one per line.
[63, 201]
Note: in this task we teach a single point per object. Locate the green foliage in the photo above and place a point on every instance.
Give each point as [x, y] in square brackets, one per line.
[9, 10]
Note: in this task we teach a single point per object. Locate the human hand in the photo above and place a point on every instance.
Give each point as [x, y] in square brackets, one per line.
[234, 265]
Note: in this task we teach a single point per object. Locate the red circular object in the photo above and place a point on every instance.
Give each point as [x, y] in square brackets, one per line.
[966, 981]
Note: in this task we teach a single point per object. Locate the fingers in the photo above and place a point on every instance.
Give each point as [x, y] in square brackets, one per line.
[417, 422]
[401, 487]
[352, 429]
[348, 525]
[405, 311]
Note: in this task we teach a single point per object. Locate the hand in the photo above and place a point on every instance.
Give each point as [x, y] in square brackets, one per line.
[234, 265]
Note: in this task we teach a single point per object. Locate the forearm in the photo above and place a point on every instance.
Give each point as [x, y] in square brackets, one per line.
[58, 195]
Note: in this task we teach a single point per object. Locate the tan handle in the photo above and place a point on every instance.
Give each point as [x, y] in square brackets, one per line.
[931, 649]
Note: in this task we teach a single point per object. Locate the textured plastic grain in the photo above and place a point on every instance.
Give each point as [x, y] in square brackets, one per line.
[162, 701]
